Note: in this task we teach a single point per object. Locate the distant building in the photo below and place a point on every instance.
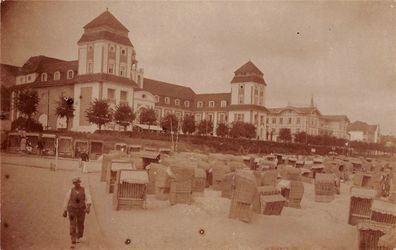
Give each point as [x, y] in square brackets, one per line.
[107, 69]
[361, 131]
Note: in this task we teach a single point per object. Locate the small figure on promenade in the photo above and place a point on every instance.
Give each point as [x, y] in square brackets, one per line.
[77, 203]
[40, 146]
[23, 144]
[84, 158]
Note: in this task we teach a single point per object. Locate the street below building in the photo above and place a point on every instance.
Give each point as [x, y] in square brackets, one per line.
[31, 210]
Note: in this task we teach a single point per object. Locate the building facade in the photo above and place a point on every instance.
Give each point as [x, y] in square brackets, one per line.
[361, 131]
[107, 69]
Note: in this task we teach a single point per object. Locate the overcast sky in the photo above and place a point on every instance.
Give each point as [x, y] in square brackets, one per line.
[344, 53]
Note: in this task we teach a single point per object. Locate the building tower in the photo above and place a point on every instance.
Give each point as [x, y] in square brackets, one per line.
[248, 98]
[107, 69]
[248, 86]
[104, 48]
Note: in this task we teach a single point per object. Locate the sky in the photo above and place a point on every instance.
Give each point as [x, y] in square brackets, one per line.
[342, 53]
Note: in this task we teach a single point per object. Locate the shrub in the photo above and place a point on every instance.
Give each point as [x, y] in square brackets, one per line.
[27, 124]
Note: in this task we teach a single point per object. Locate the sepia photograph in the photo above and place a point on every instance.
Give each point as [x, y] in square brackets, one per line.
[194, 125]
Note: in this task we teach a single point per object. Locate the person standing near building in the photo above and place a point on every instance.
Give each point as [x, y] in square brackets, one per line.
[84, 158]
[77, 203]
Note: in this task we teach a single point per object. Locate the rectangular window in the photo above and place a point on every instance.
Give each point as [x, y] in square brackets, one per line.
[211, 104]
[238, 117]
[210, 117]
[262, 120]
[298, 120]
[221, 118]
[199, 104]
[111, 94]
[111, 68]
[290, 120]
[273, 120]
[123, 95]
[241, 99]
[198, 117]
[122, 70]
[280, 120]
[223, 104]
[90, 67]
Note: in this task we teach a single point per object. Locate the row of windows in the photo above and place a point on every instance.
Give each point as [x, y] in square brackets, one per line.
[211, 104]
[287, 121]
[57, 76]
[111, 95]
[187, 103]
[111, 50]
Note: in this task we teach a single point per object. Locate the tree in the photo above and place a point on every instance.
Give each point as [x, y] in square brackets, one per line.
[301, 137]
[243, 129]
[124, 116]
[170, 123]
[250, 130]
[188, 126]
[26, 102]
[205, 127]
[5, 102]
[285, 135]
[66, 109]
[99, 113]
[237, 129]
[147, 116]
[222, 130]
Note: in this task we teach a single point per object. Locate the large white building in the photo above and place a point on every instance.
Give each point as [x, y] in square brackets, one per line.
[107, 69]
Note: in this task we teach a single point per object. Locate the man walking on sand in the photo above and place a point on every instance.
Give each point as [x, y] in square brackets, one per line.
[77, 202]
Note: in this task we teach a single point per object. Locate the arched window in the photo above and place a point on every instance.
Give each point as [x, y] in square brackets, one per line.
[57, 75]
[44, 77]
[70, 74]
[211, 104]
[177, 102]
[199, 104]
[157, 98]
[187, 104]
[223, 103]
[167, 100]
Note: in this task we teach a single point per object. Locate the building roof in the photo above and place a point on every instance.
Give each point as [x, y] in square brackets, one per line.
[247, 107]
[300, 110]
[168, 89]
[105, 77]
[256, 79]
[8, 74]
[34, 62]
[362, 126]
[216, 98]
[248, 69]
[62, 66]
[335, 117]
[248, 73]
[105, 35]
[106, 19]
[10, 68]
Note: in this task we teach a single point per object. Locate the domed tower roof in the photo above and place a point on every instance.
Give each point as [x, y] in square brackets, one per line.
[106, 27]
[106, 19]
[248, 73]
